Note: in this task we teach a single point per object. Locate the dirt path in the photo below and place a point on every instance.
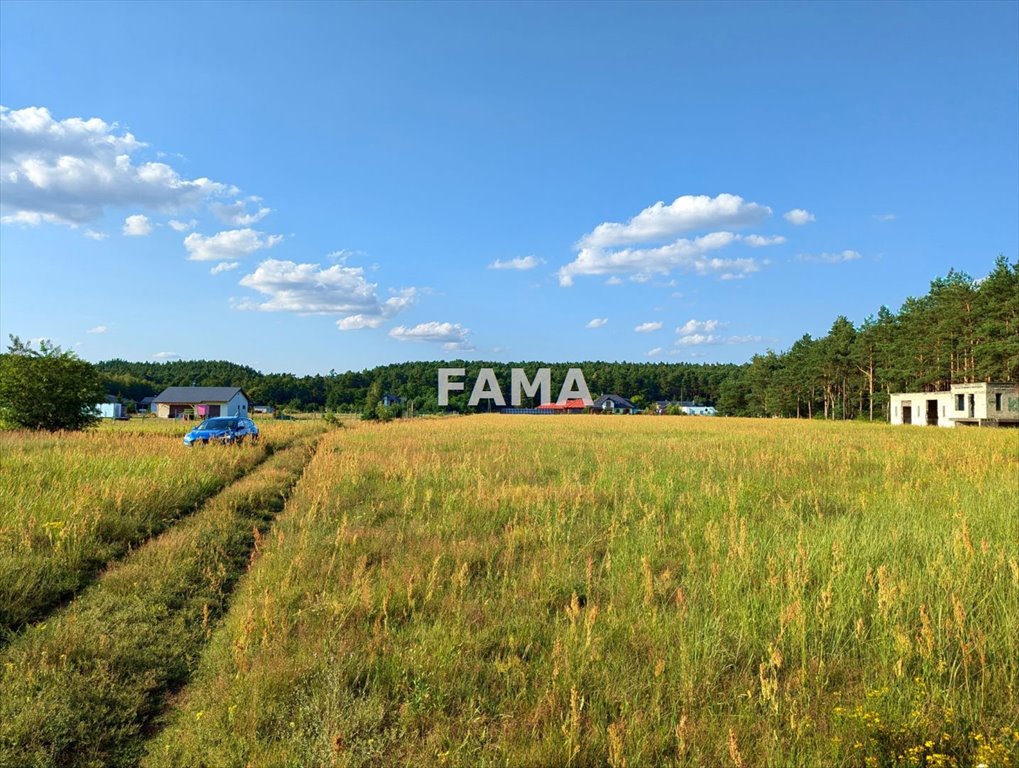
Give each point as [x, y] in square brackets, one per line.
[83, 687]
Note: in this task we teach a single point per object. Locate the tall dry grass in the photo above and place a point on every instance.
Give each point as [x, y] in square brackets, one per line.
[84, 687]
[626, 591]
[71, 502]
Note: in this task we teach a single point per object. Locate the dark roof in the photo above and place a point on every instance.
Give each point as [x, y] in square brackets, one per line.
[616, 400]
[146, 400]
[198, 394]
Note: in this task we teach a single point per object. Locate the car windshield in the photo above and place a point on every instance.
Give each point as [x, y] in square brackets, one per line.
[218, 424]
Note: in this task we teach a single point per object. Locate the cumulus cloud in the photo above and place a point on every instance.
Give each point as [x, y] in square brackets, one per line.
[236, 213]
[695, 333]
[224, 266]
[97, 329]
[688, 255]
[614, 281]
[137, 226]
[166, 356]
[654, 352]
[698, 326]
[760, 241]
[358, 322]
[684, 214]
[92, 234]
[798, 217]
[310, 289]
[452, 336]
[69, 171]
[831, 258]
[521, 263]
[182, 226]
[228, 245]
[648, 327]
[597, 322]
[640, 247]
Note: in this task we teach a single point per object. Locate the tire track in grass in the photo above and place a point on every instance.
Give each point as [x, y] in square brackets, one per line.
[82, 688]
[56, 590]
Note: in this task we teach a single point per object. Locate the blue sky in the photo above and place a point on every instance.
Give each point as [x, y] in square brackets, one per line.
[306, 187]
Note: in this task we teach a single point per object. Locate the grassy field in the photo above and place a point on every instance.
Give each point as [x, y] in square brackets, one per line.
[533, 591]
[625, 591]
[69, 503]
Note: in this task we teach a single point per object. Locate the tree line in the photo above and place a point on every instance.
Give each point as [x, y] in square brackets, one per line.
[962, 330]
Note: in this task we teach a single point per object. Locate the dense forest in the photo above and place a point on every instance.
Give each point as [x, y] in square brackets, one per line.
[962, 330]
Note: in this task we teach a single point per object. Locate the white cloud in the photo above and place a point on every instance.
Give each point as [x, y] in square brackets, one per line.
[613, 281]
[885, 216]
[224, 266]
[688, 255]
[640, 247]
[831, 258]
[69, 171]
[310, 289]
[137, 226]
[698, 326]
[229, 244]
[695, 333]
[91, 234]
[521, 263]
[654, 352]
[98, 329]
[452, 336]
[798, 217]
[760, 241]
[597, 322]
[166, 356]
[686, 213]
[648, 327]
[357, 322]
[182, 226]
[694, 339]
[236, 213]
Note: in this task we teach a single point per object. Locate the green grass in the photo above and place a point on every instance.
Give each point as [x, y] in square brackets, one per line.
[625, 591]
[85, 687]
[72, 502]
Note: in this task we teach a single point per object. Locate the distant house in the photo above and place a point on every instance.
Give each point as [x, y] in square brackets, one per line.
[110, 408]
[983, 405]
[202, 402]
[389, 399]
[146, 405]
[268, 410]
[699, 410]
[614, 404]
[575, 405]
[686, 406]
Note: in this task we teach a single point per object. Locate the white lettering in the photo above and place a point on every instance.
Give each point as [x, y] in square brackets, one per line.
[542, 381]
[446, 386]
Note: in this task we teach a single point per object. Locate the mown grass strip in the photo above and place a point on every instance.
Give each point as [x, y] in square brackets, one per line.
[73, 503]
[81, 689]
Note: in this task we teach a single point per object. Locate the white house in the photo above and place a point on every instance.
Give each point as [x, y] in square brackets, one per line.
[202, 402]
[983, 404]
[699, 410]
[110, 408]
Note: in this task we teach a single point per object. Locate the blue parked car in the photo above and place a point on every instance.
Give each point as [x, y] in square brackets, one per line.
[224, 429]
